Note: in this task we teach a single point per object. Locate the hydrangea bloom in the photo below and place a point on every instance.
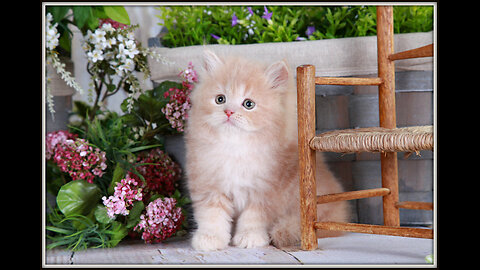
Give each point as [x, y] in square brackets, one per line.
[80, 160]
[56, 138]
[125, 194]
[176, 110]
[162, 220]
[159, 178]
[189, 74]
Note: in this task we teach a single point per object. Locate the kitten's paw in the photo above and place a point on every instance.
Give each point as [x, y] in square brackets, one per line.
[251, 239]
[208, 241]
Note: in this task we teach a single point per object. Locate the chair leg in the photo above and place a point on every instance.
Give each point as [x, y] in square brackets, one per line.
[387, 112]
[389, 168]
[306, 131]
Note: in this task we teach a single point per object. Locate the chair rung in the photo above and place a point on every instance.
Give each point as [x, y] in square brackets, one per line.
[415, 205]
[425, 51]
[375, 229]
[375, 139]
[347, 81]
[352, 195]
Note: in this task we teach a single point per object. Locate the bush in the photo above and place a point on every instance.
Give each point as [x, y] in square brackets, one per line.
[197, 25]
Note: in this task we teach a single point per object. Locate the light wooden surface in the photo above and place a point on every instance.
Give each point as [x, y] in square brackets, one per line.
[352, 248]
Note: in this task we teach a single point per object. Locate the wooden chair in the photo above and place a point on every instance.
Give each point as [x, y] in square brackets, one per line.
[386, 139]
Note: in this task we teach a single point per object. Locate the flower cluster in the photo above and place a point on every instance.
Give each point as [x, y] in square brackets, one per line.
[160, 178]
[75, 156]
[176, 110]
[52, 41]
[52, 34]
[115, 46]
[162, 220]
[125, 194]
[189, 75]
[56, 138]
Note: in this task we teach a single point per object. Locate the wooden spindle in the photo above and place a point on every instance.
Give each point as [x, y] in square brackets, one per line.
[307, 159]
[386, 99]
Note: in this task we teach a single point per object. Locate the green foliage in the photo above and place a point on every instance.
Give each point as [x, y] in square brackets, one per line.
[77, 232]
[84, 18]
[77, 198]
[195, 25]
[80, 221]
[118, 142]
[147, 114]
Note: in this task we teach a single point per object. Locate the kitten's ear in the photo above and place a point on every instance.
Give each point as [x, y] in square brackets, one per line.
[210, 60]
[277, 74]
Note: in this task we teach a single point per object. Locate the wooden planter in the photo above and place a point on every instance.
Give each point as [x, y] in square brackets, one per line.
[343, 107]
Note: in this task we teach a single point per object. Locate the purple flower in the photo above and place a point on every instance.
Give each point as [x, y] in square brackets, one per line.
[250, 10]
[215, 36]
[310, 30]
[266, 15]
[234, 19]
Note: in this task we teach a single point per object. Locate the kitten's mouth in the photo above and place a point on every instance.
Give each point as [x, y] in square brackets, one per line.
[229, 121]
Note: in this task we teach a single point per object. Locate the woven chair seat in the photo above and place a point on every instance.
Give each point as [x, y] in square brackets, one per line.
[375, 139]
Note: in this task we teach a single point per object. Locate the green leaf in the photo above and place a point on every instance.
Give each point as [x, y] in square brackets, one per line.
[78, 198]
[58, 12]
[58, 230]
[101, 214]
[118, 175]
[135, 213]
[81, 15]
[117, 232]
[117, 13]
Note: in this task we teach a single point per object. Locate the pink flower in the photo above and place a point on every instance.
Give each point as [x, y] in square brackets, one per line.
[176, 110]
[162, 220]
[78, 159]
[54, 138]
[125, 194]
[161, 178]
[113, 23]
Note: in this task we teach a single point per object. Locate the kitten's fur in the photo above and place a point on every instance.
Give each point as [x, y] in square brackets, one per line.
[243, 173]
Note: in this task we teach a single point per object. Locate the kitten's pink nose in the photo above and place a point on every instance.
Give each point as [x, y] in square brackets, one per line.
[229, 112]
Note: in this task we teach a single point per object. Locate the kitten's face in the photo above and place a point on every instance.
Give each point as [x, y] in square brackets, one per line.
[236, 95]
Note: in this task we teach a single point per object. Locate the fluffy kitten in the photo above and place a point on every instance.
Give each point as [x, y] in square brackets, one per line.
[242, 163]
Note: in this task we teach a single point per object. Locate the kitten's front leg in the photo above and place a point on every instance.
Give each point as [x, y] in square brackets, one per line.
[214, 224]
[251, 228]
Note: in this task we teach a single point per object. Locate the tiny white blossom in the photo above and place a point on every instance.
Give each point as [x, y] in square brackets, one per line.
[108, 27]
[99, 36]
[95, 55]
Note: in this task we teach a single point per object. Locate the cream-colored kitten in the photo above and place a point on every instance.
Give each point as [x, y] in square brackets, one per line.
[242, 163]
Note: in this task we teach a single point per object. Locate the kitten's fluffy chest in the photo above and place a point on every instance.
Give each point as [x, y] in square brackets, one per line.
[240, 162]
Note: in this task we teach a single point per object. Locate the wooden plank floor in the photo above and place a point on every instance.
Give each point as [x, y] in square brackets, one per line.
[352, 248]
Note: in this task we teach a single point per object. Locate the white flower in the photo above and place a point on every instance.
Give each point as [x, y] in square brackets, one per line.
[108, 27]
[110, 42]
[120, 38]
[129, 65]
[95, 55]
[99, 36]
[52, 34]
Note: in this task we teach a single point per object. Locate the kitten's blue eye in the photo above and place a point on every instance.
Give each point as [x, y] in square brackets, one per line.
[220, 99]
[248, 104]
